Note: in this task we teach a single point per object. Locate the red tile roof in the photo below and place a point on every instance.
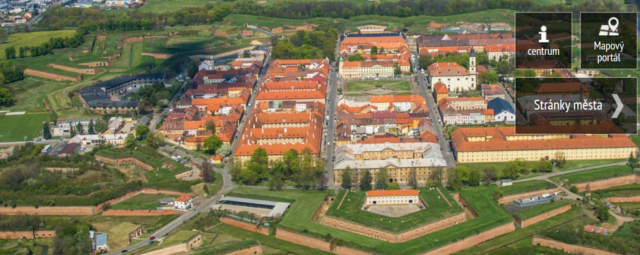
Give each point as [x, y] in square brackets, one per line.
[386, 193]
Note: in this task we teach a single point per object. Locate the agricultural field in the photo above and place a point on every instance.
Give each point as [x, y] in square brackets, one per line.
[577, 164]
[142, 202]
[301, 211]
[32, 39]
[536, 210]
[592, 175]
[21, 127]
[528, 186]
[628, 190]
[437, 209]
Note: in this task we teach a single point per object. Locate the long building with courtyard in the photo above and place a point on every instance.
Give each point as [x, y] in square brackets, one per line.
[502, 144]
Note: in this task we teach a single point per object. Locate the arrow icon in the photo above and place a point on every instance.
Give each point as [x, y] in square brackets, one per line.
[619, 106]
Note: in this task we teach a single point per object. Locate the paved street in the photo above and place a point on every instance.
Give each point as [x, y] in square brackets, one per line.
[435, 117]
[330, 129]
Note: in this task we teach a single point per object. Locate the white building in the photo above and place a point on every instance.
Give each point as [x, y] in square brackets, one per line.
[392, 197]
[115, 139]
[184, 202]
[206, 65]
[64, 128]
[453, 75]
[502, 110]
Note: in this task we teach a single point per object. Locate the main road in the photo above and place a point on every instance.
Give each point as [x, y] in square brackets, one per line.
[330, 119]
[226, 176]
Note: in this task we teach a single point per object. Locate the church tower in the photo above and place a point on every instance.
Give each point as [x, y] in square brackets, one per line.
[472, 62]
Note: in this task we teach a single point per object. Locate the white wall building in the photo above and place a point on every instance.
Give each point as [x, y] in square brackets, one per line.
[392, 197]
[453, 75]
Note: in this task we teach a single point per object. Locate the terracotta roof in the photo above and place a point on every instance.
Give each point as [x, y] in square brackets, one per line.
[183, 198]
[447, 69]
[500, 48]
[386, 193]
[397, 98]
[440, 88]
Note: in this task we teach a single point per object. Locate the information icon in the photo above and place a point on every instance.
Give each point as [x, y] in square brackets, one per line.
[610, 30]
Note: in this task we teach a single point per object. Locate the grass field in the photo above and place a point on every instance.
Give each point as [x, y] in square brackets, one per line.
[21, 127]
[118, 236]
[629, 206]
[301, 211]
[628, 190]
[141, 202]
[528, 186]
[521, 238]
[160, 6]
[591, 175]
[32, 39]
[576, 164]
[540, 209]
[437, 209]
[29, 93]
[356, 86]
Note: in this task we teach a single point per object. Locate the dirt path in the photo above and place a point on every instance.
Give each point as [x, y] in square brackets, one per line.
[619, 221]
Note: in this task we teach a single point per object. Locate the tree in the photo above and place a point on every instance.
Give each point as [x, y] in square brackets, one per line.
[10, 52]
[6, 98]
[497, 194]
[393, 186]
[80, 128]
[382, 179]
[224, 150]
[474, 177]
[412, 181]
[573, 189]
[365, 180]
[22, 52]
[210, 125]
[292, 162]
[487, 77]
[192, 68]
[207, 172]
[511, 170]
[145, 106]
[101, 126]
[155, 140]
[46, 132]
[425, 60]
[464, 172]
[544, 166]
[489, 174]
[455, 180]
[374, 51]
[72, 131]
[3, 35]
[602, 211]
[211, 144]
[90, 129]
[396, 69]
[436, 177]
[355, 57]
[129, 141]
[346, 178]
[142, 131]
[559, 159]
[633, 161]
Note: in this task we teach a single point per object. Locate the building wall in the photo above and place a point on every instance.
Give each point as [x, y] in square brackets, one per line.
[608, 183]
[118, 212]
[316, 243]
[26, 234]
[91, 71]
[623, 199]
[400, 175]
[467, 82]
[245, 225]
[570, 154]
[392, 200]
[48, 210]
[569, 248]
[52, 76]
[511, 198]
[473, 240]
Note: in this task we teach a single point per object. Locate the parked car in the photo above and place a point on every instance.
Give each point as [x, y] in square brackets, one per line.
[123, 251]
[152, 238]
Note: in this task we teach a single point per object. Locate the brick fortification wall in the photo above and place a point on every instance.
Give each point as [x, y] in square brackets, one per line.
[464, 203]
[248, 251]
[511, 198]
[26, 234]
[56, 77]
[316, 243]
[569, 248]
[124, 161]
[608, 183]
[245, 225]
[623, 199]
[48, 210]
[392, 237]
[544, 216]
[473, 240]
[91, 71]
[139, 212]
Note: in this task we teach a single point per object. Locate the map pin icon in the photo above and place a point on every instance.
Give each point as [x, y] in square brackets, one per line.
[614, 28]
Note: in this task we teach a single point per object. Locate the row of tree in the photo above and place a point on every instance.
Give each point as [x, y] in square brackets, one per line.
[306, 45]
[305, 170]
[46, 48]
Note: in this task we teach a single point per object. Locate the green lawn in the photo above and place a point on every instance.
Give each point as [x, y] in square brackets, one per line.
[298, 217]
[21, 127]
[577, 164]
[540, 209]
[141, 202]
[32, 39]
[356, 86]
[591, 175]
[511, 242]
[30, 92]
[437, 209]
[528, 186]
[627, 190]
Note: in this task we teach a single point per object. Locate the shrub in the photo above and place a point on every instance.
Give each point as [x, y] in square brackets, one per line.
[573, 189]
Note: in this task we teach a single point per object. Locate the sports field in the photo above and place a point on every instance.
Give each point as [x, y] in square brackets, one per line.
[21, 127]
